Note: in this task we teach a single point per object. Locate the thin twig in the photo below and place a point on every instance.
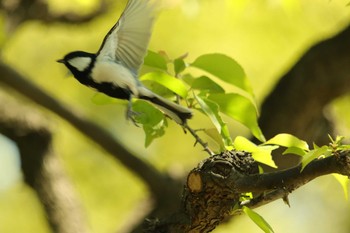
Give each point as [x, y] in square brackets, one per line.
[198, 139]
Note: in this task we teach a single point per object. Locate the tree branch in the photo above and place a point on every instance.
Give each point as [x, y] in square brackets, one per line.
[158, 183]
[198, 139]
[41, 168]
[293, 178]
[213, 189]
[18, 12]
[320, 76]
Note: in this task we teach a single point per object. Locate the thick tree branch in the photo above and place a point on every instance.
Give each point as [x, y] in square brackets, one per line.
[41, 168]
[213, 189]
[293, 178]
[21, 11]
[320, 76]
[157, 182]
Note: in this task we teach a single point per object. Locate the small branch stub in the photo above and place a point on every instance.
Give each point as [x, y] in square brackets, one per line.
[214, 189]
[194, 182]
[210, 196]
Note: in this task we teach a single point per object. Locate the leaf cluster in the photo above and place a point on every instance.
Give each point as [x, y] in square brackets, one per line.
[216, 85]
[198, 84]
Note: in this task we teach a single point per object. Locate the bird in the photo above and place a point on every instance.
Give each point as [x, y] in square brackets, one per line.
[114, 69]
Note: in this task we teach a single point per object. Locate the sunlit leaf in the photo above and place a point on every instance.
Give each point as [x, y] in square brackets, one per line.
[313, 154]
[204, 83]
[158, 89]
[242, 143]
[288, 140]
[258, 220]
[214, 134]
[264, 155]
[225, 68]
[155, 60]
[337, 143]
[344, 182]
[152, 120]
[211, 109]
[315, 145]
[339, 139]
[241, 109]
[246, 196]
[170, 82]
[295, 150]
[261, 154]
[344, 147]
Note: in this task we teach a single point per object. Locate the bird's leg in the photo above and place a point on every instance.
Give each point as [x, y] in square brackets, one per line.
[130, 114]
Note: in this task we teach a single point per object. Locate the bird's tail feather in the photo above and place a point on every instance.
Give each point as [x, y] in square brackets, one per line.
[176, 112]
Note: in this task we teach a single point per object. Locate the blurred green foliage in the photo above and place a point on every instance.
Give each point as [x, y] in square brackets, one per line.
[265, 37]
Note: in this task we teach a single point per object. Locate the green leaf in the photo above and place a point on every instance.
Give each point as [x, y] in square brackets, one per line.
[225, 68]
[313, 154]
[170, 82]
[152, 120]
[155, 60]
[261, 154]
[214, 134]
[288, 140]
[344, 182]
[258, 220]
[343, 147]
[188, 78]
[241, 143]
[295, 150]
[337, 144]
[211, 109]
[246, 196]
[204, 83]
[158, 89]
[179, 65]
[241, 109]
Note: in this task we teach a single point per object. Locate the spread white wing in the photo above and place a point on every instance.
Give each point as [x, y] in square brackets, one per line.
[128, 39]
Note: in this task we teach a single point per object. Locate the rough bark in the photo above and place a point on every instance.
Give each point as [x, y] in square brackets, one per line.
[295, 106]
[213, 190]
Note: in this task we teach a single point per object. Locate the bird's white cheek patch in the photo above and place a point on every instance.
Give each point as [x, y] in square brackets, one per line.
[80, 63]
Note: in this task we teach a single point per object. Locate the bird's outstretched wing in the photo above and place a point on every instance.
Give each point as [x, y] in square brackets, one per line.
[128, 39]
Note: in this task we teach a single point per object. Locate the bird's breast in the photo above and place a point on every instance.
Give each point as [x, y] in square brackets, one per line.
[115, 75]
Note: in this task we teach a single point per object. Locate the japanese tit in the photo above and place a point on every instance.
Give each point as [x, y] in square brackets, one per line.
[113, 70]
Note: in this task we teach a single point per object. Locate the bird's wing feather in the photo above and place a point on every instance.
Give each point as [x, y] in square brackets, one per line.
[128, 39]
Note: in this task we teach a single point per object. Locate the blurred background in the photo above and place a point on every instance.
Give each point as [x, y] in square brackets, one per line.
[266, 37]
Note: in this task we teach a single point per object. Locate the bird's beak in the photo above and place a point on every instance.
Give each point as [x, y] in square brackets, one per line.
[60, 60]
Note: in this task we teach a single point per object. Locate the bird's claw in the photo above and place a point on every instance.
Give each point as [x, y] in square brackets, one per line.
[130, 115]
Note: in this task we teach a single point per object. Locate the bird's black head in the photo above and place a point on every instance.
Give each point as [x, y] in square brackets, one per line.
[79, 63]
